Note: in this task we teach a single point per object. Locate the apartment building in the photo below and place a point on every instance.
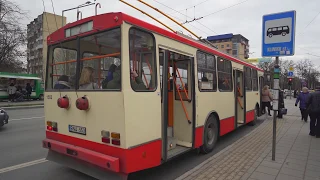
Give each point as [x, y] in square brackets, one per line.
[37, 32]
[235, 45]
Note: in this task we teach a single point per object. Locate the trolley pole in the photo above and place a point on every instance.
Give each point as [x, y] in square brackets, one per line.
[275, 104]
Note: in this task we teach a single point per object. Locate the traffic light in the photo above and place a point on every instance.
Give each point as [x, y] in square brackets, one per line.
[289, 81]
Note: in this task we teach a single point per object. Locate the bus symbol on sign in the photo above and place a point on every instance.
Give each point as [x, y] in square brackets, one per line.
[281, 30]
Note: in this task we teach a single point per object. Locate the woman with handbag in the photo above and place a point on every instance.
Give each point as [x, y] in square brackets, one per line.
[266, 99]
[303, 97]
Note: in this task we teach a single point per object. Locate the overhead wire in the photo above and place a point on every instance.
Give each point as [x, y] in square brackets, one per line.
[225, 8]
[301, 33]
[187, 16]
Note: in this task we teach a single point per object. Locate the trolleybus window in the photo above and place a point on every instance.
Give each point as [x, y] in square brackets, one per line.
[224, 75]
[254, 80]
[142, 61]
[248, 78]
[62, 65]
[101, 52]
[207, 78]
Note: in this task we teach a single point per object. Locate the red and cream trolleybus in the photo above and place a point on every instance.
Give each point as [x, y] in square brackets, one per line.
[123, 95]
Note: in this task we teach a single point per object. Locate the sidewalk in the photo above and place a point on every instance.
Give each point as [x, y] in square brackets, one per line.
[249, 158]
[22, 104]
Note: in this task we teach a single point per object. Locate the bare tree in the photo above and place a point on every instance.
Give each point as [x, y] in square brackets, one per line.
[12, 37]
[308, 71]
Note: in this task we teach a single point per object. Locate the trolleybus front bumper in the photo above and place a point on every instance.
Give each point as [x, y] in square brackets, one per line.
[103, 161]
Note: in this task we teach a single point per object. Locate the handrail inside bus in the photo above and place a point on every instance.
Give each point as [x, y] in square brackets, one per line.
[183, 86]
[182, 103]
[87, 59]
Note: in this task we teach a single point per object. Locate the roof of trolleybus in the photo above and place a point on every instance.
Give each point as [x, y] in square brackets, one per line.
[111, 20]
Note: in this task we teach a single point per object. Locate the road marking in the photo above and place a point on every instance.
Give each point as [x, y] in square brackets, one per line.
[26, 118]
[23, 165]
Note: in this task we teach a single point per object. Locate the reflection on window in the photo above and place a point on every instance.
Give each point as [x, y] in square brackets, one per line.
[100, 64]
[142, 61]
[207, 79]
[248, 78]
[224, 75]
[254, 80]
[62, 66]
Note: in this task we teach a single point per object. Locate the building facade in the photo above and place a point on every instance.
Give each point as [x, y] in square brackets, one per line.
[235, 45]
[37, 32]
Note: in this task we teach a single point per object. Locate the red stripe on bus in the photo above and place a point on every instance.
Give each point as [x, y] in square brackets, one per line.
[227, 125]
[131, 160]
[198, 140]
[250, 116]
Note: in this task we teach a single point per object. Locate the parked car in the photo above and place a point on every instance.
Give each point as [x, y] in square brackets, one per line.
[4, 117]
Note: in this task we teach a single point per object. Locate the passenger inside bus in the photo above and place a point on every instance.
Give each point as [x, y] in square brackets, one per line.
[109, 77]
[87, 80]
[62, 83]
[136, 81]
[115, 83]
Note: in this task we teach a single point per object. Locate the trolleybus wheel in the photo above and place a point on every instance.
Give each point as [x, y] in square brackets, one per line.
[210, 136]
[41, 97]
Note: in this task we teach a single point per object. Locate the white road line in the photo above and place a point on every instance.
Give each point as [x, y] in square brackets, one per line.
[23, 165]
[26, 118]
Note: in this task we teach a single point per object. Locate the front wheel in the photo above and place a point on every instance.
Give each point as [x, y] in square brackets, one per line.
[210, 135]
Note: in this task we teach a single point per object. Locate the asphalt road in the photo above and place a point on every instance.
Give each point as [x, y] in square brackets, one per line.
[20, 147]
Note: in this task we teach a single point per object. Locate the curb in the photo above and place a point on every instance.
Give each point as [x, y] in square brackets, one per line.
[188, 173]
[23, 107]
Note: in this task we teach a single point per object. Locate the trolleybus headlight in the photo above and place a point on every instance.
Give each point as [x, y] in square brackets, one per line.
[63, 102]
[105, 136]
[115, 138]
[52, 126]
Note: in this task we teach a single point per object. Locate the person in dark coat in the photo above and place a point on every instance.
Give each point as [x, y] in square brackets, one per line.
[29, 90]
[303, 97]
[313, 104]
[63, 83]
[281, 103]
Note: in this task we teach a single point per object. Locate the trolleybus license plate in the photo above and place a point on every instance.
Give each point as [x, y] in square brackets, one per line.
[77, 129]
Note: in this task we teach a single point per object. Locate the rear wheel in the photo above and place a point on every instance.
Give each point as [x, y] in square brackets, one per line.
[41, 97]
[210, 135]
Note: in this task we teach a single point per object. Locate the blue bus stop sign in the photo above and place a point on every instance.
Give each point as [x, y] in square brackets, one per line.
[278, 34]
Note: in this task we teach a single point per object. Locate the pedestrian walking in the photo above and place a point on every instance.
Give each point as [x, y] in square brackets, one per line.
[266, 99]
[302, 98]
[313, 106]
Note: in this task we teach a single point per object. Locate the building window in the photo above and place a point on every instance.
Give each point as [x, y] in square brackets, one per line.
[207, 78]
[254, 80]
[222, 46]
[228, 45]
[224, 75]
[234, 52]
[142, 61]
[248, 78]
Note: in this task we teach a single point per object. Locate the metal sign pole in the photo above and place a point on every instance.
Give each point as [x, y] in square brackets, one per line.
[275, 105]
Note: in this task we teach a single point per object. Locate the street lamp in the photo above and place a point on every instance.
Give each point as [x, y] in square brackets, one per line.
[88, 3]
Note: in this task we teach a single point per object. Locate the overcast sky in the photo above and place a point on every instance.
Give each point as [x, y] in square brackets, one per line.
[245, 18]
